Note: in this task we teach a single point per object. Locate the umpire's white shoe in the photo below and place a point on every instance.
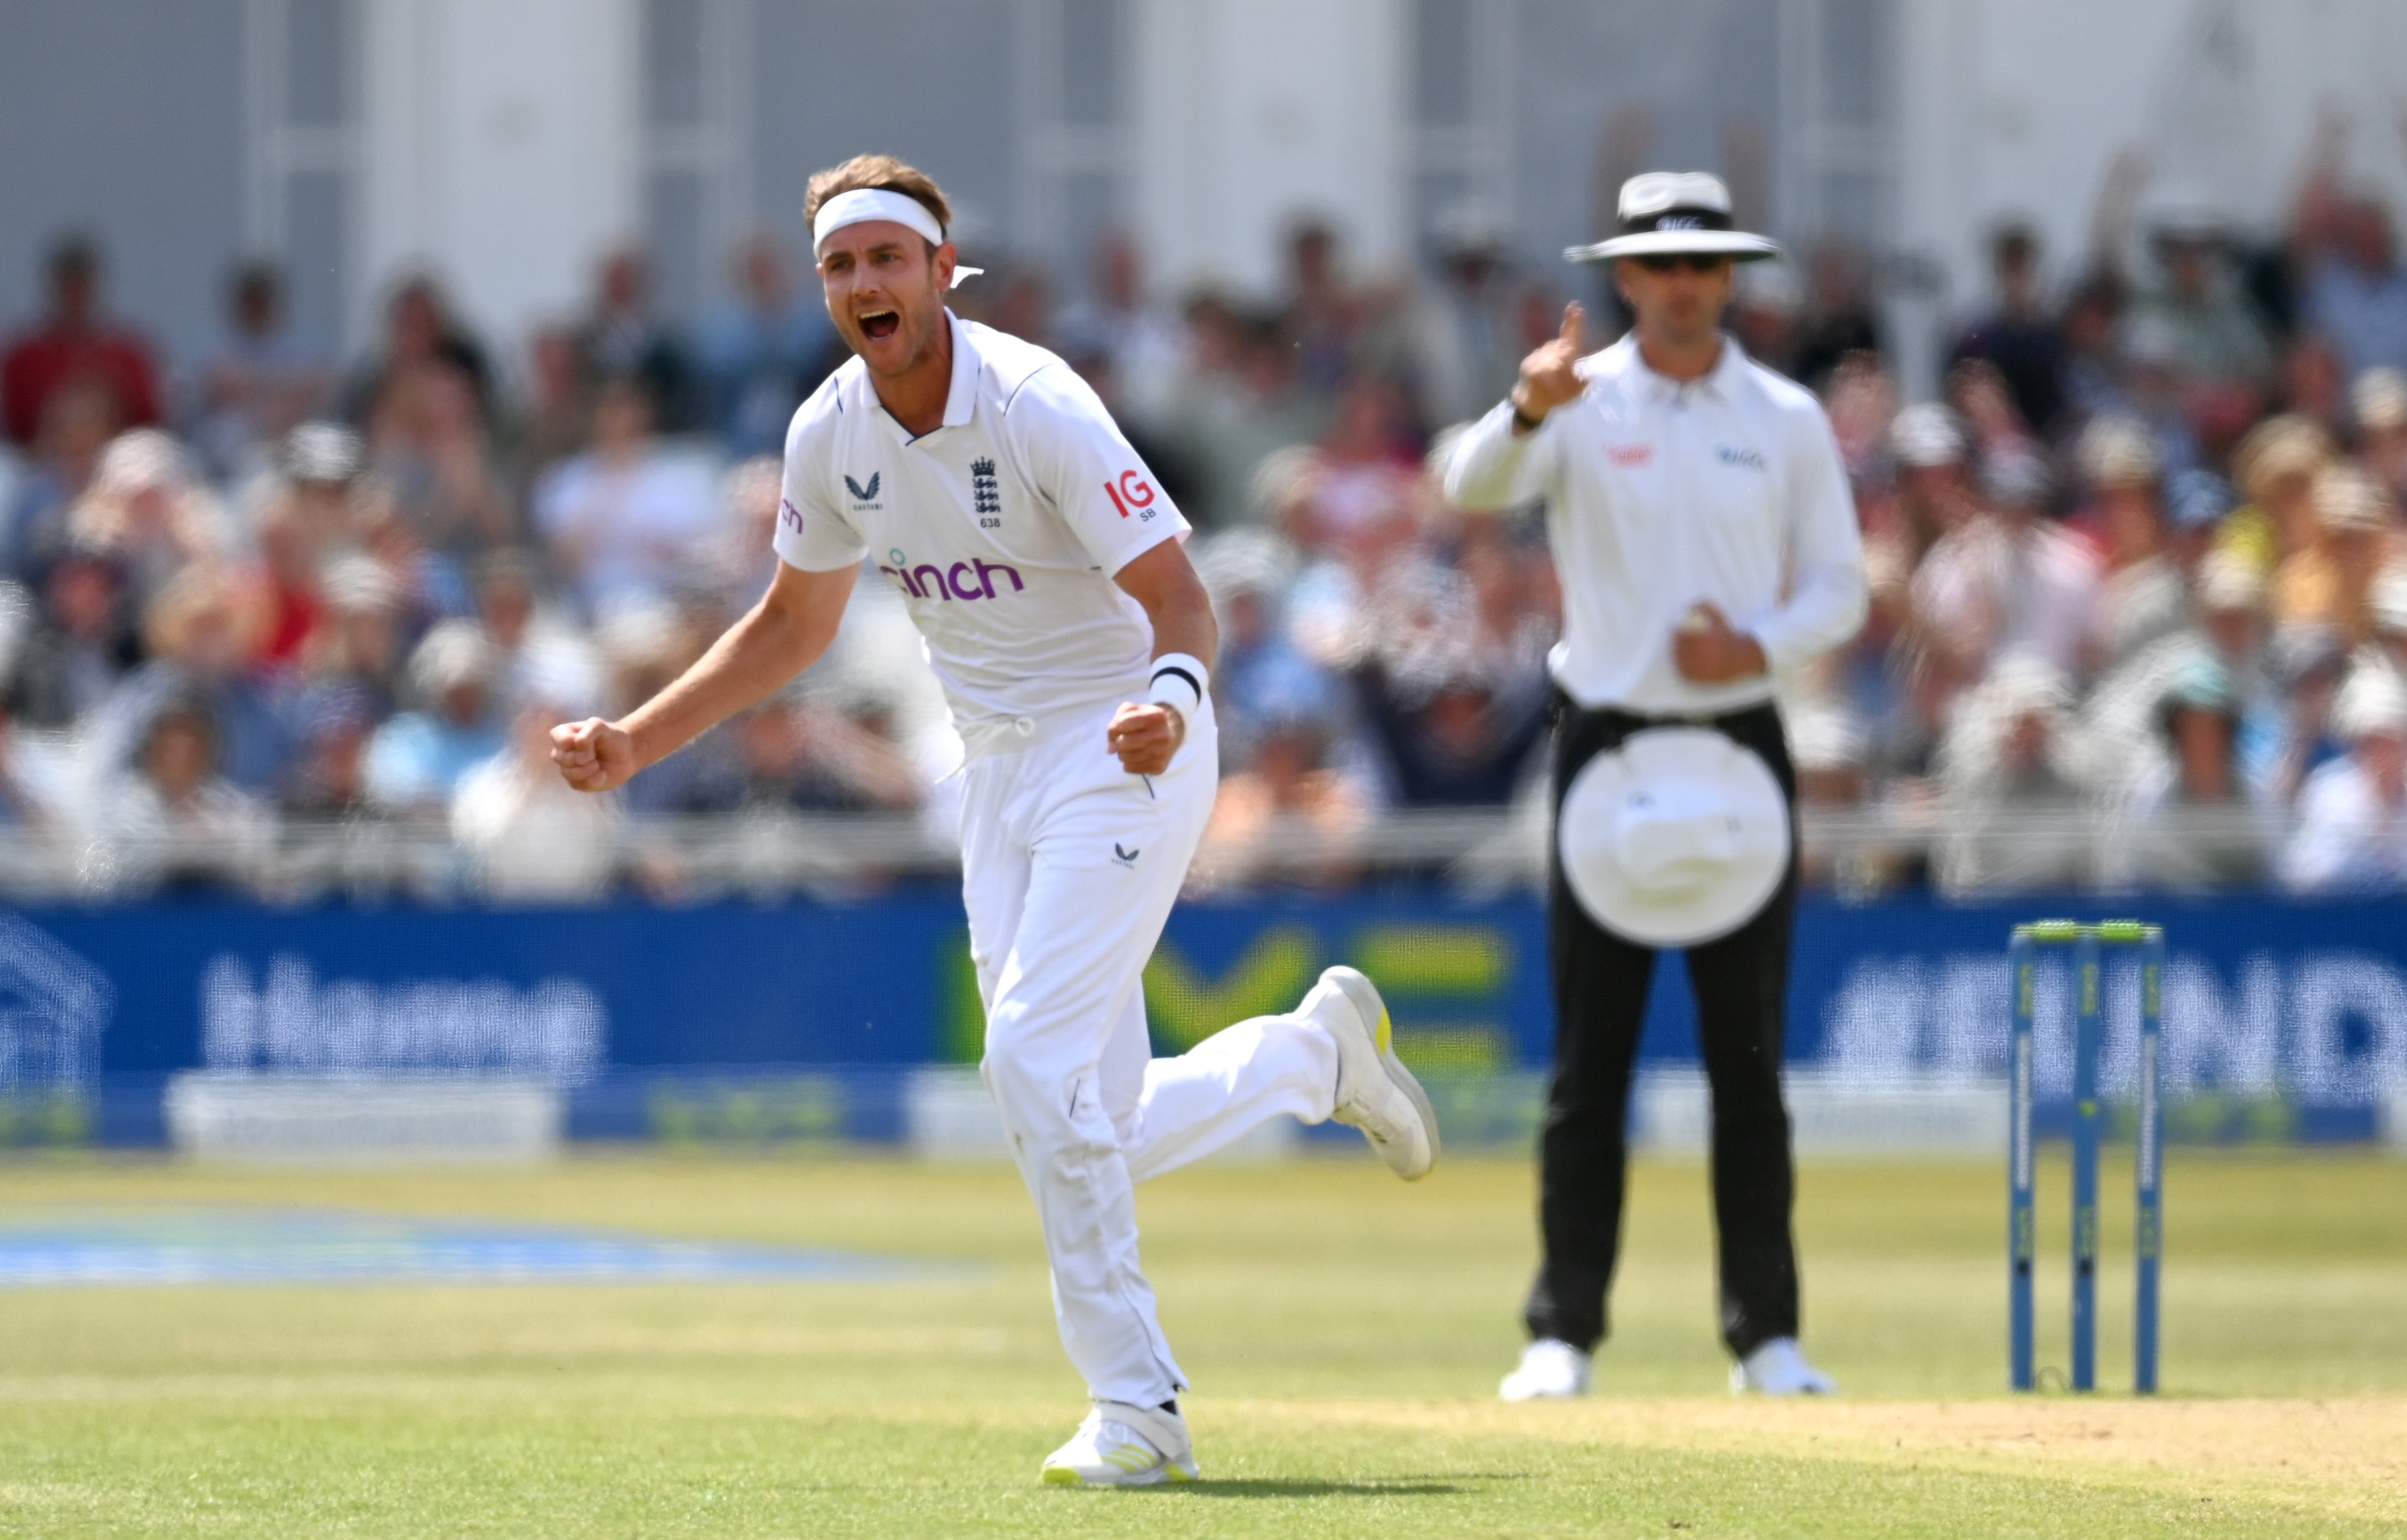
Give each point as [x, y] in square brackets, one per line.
[1375, 1092]
[1778, 1368]
[1121, 1445]
[1550, 1370]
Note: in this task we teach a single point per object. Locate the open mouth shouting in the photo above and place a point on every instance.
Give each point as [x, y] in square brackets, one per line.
[877, 325]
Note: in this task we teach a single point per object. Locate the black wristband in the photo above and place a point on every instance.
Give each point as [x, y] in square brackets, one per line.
[1522, 419]
[1184, 676]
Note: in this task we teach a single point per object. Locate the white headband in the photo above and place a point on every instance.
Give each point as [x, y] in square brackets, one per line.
[864, 204]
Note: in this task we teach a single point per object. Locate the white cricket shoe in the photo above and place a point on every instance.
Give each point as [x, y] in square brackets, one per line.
[1778, 1368]
[1550, 1370]
[1121, 1445]
[1375, 1092]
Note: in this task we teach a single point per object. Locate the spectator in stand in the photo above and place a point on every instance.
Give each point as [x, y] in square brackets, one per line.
[416, 759]
[2311, 381]
[539, 651]
[2329, 582]
[75, 342]
[2352, 830]
[2143, 595]
[2009, 581]
[2276, 466]
[175, 825]
[1148, 347]
[148, 510]
[794, 754]
[259, 384]
[198, 635]
[532, 839]
[1320, 314]
[2018, 337]
[1767, 303]
[420, 331]
[20, 805]
[1840, 317]
[79, 421]
[2308, 664]
[762, 353]
[359, 645]
[328, 778]
[2217, 338]
[620, 518]
[2196, 504]
[1287, 794]
[621, 338]
[2356, 290]
[1465, 330]
[427, 439]
[2093, 363]
[2377, 403]
[2010, 768]
[1234, 417]
[559, 409]
[79, 649]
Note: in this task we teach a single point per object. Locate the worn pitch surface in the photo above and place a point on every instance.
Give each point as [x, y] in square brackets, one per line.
[1344, 1331]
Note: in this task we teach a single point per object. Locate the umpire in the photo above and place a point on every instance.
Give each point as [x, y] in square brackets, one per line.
[1701, 524]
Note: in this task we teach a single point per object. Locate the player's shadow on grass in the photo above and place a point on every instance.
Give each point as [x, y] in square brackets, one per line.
[1399, 1486]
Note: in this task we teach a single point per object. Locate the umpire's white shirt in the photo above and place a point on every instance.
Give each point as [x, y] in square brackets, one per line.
[1660, 493]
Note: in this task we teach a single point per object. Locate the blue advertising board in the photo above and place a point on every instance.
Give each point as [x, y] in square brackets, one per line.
[2301, 1002]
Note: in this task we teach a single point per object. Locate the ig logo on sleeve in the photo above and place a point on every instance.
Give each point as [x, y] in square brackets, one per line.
[1131, 491]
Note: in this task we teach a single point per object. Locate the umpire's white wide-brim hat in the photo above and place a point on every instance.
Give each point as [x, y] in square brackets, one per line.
[1677, 837]
[1666, 213]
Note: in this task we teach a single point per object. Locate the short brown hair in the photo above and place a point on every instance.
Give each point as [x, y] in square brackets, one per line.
[883, 173]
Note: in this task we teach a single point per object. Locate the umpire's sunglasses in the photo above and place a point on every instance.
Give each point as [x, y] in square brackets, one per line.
[1695, 262]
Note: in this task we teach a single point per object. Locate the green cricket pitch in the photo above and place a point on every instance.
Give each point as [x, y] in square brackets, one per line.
[1344, 1334]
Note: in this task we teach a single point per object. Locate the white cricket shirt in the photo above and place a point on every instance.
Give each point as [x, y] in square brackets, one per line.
[1003, 528]
[1660, 493]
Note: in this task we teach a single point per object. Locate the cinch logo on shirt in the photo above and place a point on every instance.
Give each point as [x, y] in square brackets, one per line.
[929, 581]
[790, 516]
[1747, 459]
[1630, 456]
[864, 496]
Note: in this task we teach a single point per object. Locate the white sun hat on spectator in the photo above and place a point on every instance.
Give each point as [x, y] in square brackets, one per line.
[1677, 837]
[2378, 399]
[454, 653]
[2372, 703]
[1666, 213]
[2389, 601]
[2345, 498]
[2228, 580]
[1927, 435]
[2116, 452]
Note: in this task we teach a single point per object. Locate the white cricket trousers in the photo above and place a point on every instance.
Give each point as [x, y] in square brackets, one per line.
[1069, 867]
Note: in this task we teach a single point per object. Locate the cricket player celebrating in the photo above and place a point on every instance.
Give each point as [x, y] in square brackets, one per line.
[1044, 567]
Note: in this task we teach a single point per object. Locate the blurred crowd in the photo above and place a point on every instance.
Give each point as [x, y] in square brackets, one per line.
[2139, 577]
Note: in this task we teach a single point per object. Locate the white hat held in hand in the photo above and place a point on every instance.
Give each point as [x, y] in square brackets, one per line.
[1677, 837]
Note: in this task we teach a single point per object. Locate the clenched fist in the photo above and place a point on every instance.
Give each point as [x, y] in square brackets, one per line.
[593, 755]
[1146, 735]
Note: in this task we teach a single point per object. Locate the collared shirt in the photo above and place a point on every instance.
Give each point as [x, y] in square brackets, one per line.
[1003, 527]
[1660, 493]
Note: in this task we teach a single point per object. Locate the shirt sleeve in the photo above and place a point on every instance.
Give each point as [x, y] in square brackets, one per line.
[1491, 468]
[1828, 595]
[812, 535]
[1078, 457]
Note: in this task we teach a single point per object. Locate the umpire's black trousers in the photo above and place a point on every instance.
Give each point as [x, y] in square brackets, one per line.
[1601, 986]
